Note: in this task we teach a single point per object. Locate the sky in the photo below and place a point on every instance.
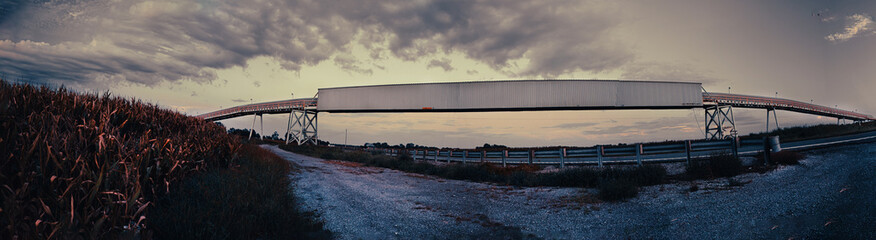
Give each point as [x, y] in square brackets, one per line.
[197, 56]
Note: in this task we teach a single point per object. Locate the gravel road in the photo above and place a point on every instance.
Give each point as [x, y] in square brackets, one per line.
[829, 196]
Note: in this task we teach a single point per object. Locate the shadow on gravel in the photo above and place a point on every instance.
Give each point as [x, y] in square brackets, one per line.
[494, 230]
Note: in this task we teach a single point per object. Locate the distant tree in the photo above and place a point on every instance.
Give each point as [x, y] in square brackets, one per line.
[487, 145]
[275, 136]
[376, 145]
[243, 132]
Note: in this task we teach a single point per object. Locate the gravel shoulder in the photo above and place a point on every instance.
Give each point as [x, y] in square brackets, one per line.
[830, 195]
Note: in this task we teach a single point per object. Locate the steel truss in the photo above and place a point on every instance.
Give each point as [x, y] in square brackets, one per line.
[719, 122]
[301, 127]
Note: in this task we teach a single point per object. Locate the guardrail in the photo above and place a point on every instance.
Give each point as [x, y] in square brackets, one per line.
[596, 155]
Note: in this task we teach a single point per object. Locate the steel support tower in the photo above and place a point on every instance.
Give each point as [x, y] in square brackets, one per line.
[719, 122]
[301, 126]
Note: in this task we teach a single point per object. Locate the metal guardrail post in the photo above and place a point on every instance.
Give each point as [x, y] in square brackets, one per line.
[687, 150]
[464, 156]
[563, 158]
[599, 155]
[735, 145]
[483, 155]
[639, 154]
[504, 155]
[437, 153]
[449, 155]
[531, 155]
[766, 151]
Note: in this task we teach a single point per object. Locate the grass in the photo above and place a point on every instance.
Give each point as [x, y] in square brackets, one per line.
[617, 189]
[783, 158]
[715, 166]
[256, 193]
[521, 175]
[800, 133]
[89, 166]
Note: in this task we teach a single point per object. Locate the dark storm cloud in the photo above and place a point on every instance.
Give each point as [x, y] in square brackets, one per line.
[153, 41]
[9, 8]
[351, 64]
[555, 36]
[443, 63]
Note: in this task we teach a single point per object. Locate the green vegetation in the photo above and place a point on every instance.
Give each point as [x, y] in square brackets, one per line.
[792, 134]
[716, 165]
[725, 165]
[617, 189]
[89, 166]
[521, 175]
[256, 193]
[783, 158]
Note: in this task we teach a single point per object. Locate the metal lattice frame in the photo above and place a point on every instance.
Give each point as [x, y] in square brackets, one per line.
[719, 122]
[302, 126]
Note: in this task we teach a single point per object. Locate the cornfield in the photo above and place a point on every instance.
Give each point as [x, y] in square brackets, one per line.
[89, 165]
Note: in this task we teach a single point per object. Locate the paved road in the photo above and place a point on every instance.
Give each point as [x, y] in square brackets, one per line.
[829, 196]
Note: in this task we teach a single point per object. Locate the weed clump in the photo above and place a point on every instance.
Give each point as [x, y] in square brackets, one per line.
[617, 189]
[786, 157]
[716, 165]
[699, 169]
[725, 165]
[693, 187]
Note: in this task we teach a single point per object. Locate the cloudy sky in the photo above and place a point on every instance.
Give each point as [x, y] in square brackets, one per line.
[197, 56]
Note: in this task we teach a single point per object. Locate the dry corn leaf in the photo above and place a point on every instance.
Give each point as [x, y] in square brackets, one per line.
[46, 207]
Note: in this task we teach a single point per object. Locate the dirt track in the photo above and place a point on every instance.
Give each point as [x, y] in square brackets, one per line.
[829, 195]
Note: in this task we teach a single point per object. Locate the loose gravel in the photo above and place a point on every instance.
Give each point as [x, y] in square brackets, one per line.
[830, 195]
